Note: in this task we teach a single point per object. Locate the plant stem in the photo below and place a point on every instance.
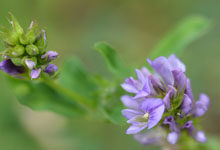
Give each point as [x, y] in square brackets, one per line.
[80, 100]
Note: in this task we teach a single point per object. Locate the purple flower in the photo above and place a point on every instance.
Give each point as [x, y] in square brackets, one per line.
[50, 69]
[166, 92]
[147, 115]
[201, 105]
[10, 68]
[50, 55]
[35, 73]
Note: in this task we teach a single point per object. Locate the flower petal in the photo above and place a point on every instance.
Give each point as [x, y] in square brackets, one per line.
[51, 69]
[173, 137]
[150, 104]
[8, 67]
[149, 137]
[186, 105]
[180, 79]
[201, 137]
[175, 63]
[129, 102]
[162, 66]
[130, 113]
[188, 90]
[201, 105]
[35, 73]
[155, 116]
[130, 85]
[133, 129]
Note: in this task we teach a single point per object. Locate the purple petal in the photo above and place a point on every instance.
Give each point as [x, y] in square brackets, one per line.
[188, 125]
[171, 92]
[180, 79]
[201, 105]
[133, 129]
[150, 104]
[145, 72]
[51, 69]
[140, 76]
[130, 113]
[201, 137]
[50, 55]
[35, 73]
[149, 137]
[186, 105]
[30, 64]
[155, 116]
[162, 66]
[129, 102]
[188, 90]
[173, 137]
[141, 94]
[131, 85]
[175, 63]
[155, 85]
[172, 124]
[8, 67]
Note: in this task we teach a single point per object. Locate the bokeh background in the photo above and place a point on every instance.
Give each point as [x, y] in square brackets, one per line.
[133, 28]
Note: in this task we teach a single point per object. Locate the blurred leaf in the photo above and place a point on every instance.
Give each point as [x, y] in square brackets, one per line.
[110, 104]
[11, 128]
[75, 78]
[111, 58]
[183, 34]
[41, 96]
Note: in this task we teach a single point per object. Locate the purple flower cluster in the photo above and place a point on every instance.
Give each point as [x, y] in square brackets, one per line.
[163, 99]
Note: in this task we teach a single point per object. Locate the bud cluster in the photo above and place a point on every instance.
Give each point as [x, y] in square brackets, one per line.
[26, 52]
[163, 102]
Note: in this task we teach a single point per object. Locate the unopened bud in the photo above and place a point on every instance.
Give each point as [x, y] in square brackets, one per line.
[32, 50]
[17, 51]
[17, 61]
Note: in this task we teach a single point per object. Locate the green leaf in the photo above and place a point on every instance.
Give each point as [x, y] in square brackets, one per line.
[183, 34]
[111, 58]
[77, 80]
[42, 96]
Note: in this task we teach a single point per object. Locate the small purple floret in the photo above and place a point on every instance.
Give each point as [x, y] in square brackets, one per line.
[51, 69]
[35, 73]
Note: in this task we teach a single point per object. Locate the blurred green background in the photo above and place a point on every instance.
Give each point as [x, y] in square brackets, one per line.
[133, 28]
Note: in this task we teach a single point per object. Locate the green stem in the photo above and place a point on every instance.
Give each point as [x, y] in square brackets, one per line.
[80, 100]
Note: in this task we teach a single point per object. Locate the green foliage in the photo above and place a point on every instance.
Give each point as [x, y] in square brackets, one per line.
[114, 63]
[183, 34]
[77, 80]
[43, 96]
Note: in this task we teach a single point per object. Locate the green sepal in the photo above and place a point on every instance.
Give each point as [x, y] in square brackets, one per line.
[32, 50]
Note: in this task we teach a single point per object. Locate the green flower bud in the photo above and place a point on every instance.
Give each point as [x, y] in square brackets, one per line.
[32, 32]
[17, 61]
[32, 50]
[23, 40]
[11, 38]
[41, 42]
[16, 26]
[17, 51]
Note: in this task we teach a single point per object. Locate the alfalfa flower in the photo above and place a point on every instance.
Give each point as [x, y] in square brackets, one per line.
[26, 53]
[166, 98]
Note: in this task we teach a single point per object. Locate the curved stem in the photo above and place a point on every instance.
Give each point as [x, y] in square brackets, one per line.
[80, 100]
